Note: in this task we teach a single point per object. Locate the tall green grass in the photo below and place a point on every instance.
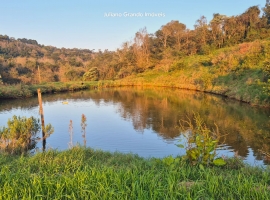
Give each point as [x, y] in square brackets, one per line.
[83, 173]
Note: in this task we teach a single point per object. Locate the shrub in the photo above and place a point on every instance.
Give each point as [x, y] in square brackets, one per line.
[201, 142]
[19, 134]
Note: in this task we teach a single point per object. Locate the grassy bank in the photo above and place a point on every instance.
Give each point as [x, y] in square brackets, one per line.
[23, 91]
[87, 174]
[254, 93]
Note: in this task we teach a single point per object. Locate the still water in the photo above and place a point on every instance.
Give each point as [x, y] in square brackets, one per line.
[145, 121]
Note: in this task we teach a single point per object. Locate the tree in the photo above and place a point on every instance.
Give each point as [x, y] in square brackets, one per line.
[251, 19]
[72, 75]
[190, 46]
[266, 11]
[91, 75]
[141, 49]
[166, 31]
[201, 31]
[234, 29]
[173, 32]
[177, 32]
[217, 27]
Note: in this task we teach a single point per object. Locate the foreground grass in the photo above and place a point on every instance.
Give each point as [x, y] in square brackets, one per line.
[87, 174]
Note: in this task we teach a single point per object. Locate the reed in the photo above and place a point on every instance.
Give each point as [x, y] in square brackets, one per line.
[83, 126]
[70, 130]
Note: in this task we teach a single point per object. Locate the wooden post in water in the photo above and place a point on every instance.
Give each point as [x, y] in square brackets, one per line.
[42, 120]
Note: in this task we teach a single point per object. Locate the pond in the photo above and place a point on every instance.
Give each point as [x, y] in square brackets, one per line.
[145, 121]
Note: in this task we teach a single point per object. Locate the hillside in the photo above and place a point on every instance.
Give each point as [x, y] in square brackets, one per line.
[228, 55]
[241, 72]
[21, 58]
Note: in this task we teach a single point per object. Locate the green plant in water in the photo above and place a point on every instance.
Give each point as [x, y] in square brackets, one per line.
[201, 143]
[19, 134]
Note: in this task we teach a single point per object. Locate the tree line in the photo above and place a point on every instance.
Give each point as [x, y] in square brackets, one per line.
[20, 59]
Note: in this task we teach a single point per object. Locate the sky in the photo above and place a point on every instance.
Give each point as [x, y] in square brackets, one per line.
[83, 24]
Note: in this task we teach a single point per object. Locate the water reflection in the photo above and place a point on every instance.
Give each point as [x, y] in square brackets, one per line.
[158, 110]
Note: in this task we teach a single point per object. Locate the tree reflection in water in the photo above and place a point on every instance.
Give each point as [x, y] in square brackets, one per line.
[161, 109]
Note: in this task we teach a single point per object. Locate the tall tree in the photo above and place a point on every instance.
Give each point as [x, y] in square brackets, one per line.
[266, 11]
[251, 19]
[141, 49]
[201, 30]
[177, 31]
[217, 27]
[166, 32]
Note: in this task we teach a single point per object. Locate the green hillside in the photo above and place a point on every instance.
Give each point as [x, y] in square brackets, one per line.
[241, 72]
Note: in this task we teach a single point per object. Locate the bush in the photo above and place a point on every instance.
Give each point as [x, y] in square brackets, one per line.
[19, 135]
[201, 142]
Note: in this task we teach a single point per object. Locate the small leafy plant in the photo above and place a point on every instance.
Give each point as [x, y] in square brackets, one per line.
[171, 161]
[201, 142]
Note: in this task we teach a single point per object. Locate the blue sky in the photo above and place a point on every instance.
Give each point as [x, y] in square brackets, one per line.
[81, 23]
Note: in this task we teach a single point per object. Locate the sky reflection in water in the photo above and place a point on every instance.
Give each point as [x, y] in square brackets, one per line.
[146, 121]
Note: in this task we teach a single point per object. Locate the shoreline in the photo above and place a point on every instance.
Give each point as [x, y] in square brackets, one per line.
[22, 91]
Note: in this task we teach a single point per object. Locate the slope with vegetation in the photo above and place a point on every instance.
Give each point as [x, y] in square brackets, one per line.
[228, 55]
[240, 72]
